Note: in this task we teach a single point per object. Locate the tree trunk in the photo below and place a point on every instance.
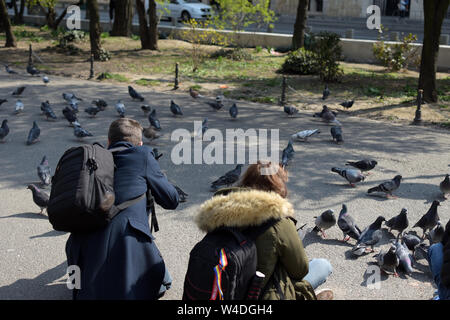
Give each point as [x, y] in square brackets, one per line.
[434, 14]
[123, 16]
[94, 28]
[10, 40]
[144, 31]
[153, 29]
[298, 38]
[18, 12]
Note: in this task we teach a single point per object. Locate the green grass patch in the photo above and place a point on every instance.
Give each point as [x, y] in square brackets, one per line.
[147, 82]
[116, 77]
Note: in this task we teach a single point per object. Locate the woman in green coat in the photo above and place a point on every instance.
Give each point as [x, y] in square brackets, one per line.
[281, 255]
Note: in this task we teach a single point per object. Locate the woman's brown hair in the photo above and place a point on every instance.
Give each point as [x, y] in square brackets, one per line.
[276, 182]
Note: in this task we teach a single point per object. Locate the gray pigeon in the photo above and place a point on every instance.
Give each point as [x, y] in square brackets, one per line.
[4, 130]
[175, 109]
[234, 111]
[348, 226]
[48, 111]
[100, 103]
[304, 135]
[445, 186]
[388, 261]
[326, 92]
[201, 131]
[324, 109]
[287, 155]
[411, 241]
[194, 93]
[40, 198]
[325, 221]
[347, 104]
[33, 135]
[18, 108]
[227, 179]
[404, 256]
[18, 91]
[370, 236]
[120, 108]
[430, 219]
[80, 133]
[216, 105]
[156, 154]
[69, 97]
[134, 94]
[70, 116]
[32, 70]
[437, 233]
[353, 176]
[388, 186]
[328, 116]
[154, 122]
[9, 70]
[92, 110]
[146, 108]
[290, 110]
[44, 172]
[336, 134]
[398, 223]
[150, 133]
[45, 79]
[74, 105]
[363, 165]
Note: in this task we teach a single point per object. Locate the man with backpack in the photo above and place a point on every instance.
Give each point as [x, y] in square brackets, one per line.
[121, 260]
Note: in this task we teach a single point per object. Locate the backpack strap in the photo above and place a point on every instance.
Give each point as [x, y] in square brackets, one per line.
[120, 207]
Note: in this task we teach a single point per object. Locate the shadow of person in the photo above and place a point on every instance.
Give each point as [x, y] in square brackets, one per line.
[26, 215]
[43, 287]
[52, 233]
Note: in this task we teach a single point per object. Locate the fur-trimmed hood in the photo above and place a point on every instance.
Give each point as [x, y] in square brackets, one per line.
[242, 208]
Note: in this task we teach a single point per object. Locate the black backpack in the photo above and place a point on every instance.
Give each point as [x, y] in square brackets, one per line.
[82, 194]
[222, 266]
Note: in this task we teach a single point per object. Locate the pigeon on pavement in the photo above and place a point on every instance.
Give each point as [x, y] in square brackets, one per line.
[328, 116]
[363, 165]
[18, 91]
[290, 110]
[437, 233]
[353, 176]
[146, 108]
[304, 135]
[287, 155]
[227, 179]
[32, 70]
[4, 130]
[430, 219]
[234, 111]
[388, 186]
[100, 103]
[40, 198]
[388, 260]
[33, 135]
[216, 105]
[324, 109]
[194, 93]
[398, 223]
[48, 111]
[80, 133]
[18, 108]
[45, 79]
[154, 122]
[326, 92]
[70, 116]
[69, 97]
[347, 104]
[348, 226]
[175, 109]
[325, 221]
[157, 154]
[201, 131]
[92, 110]
[120, 108]
[336, 134]
[411, 240]
[404, 256]
[370, 236]
[134, 94]
[44, 172]
[9, 70]
[150, 133]
[444, 186]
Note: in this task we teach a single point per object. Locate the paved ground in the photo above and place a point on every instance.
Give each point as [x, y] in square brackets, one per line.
[32, 257]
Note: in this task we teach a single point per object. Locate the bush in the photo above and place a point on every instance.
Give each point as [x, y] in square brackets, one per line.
[236, 54]
[301, 62]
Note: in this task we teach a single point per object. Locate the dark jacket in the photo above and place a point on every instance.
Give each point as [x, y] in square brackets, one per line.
[281, 256]
[445, 272]
[121, 261]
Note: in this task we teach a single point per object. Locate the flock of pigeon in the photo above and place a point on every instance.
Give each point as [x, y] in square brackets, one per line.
[402, 248]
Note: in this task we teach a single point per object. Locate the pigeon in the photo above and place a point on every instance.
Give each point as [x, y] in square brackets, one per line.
[4, 130]
[216, 105]
[2, 101]
[70, 116]
[40, 198]
[336, 134]
[9, 70]
[201, 131]
[175, 109]
[347, 225]
[150, 133]
[32, 70]
[48, 111]
[326, 92]
[120, 107]
[45, 79]
[33, 135]
[353, 176]
[388, 186]
[445, 186]
[146, 108]
[80, 133]
[325, 221]
[194, 94]
[70, 96]
[154, 122]
[100, 103]
[329, 116]
[157, 154]
[290, 110]
[134, 94]
[347, 104]
[388, 261]
[227, 179]
[304, 135]
[182, 195]
[74, 105]
[398, 223]
[18, 107]
[370, 236]
[324, 109]
[437, 233]
[412, 241]
[92, 110]
[430, 219]
[44, 172]
[404, 256]
[18, 91]
[287, 155]
[220, 98]
[234, 111]
[363, 165]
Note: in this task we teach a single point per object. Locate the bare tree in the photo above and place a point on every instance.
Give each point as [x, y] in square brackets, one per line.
[18, 12]
[123, 16]
[6, 24]
[148, 41]
[298, 39]
[94, 29]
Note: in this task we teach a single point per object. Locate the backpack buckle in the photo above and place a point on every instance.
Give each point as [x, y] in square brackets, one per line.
[91, 164]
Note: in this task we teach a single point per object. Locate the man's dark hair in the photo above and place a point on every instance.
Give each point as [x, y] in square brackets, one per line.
[125, 129]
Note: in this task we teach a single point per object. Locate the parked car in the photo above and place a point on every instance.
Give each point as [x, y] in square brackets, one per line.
[185, 10]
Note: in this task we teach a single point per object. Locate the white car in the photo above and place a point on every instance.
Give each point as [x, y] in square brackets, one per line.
[184, 9]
